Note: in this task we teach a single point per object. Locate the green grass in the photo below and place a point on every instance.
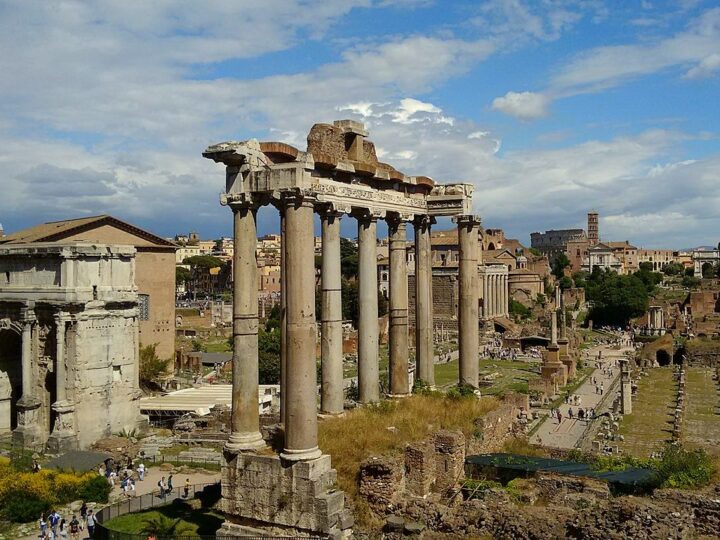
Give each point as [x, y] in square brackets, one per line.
[701, 425]
[649, 426]
[202, 522]
[514, 376]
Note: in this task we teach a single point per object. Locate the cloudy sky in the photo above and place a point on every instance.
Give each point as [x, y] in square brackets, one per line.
[550, 108]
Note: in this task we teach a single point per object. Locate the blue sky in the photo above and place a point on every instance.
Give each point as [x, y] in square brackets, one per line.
[550, 108]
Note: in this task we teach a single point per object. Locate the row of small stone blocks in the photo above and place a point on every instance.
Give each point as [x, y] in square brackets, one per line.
[680, 404]
[428, 466]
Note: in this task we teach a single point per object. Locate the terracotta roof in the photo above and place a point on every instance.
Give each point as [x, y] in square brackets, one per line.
[57, 231]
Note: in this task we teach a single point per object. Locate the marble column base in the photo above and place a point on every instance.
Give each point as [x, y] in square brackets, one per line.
[28, 433]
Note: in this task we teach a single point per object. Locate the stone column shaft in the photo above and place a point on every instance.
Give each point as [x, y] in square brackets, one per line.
[468, 311]
[399, 377]
[331, 396]
[245, 422]
[61, 374]
[553, 328]
[301, 440]
[283, 317]
[368, 367]
[27, 378]
[424, 351]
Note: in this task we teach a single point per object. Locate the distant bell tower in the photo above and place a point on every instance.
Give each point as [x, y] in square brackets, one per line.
[593, 230]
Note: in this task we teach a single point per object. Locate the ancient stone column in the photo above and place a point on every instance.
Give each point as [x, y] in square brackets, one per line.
[486, 298]
[301, 440]
[60, 373]
[283, 316]
[468, 312]
[245, 423]
[553, 328]
[493, 295]
[424, 351]
[368, 368]
[28, 431]
[331, 393]
[399, 378]
[27, 378]
[625, 387]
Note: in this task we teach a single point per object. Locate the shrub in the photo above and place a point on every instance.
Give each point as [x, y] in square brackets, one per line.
[680, 468]
[475, 489]
[96, 489]
[461, 391]
[22, 507]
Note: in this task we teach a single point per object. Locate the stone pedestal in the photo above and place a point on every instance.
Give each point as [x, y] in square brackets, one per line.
[267, 496]
[553, 366]
[64, 437]
[28, 433]
[567, 360]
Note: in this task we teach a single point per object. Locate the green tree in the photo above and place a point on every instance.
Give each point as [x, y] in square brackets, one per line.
[690, 282]
[559, 264]
[690, 271]
[518, 310]
[269, 356]
[348, 258]
[580, 279]
[649, 278]
[182, 274]
[565, 283]
[383, 304]
[673, 269]
[350, 302]
[203, 261]
[535, 251]
[152, 368]
[616, 298]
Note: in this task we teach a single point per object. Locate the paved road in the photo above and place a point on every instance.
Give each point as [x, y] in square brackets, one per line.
[567, 433]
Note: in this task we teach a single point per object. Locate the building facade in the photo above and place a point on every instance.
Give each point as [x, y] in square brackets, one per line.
[68, 343]
[154, 268]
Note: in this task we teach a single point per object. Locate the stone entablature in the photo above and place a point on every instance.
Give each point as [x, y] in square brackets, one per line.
[68, 343]
[75, 273]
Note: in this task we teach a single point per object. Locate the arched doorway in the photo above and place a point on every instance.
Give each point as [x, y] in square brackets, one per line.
[491, 246]
[10, 379]
[663, 358]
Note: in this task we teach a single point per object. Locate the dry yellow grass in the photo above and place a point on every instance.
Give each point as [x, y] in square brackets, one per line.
[364, 432]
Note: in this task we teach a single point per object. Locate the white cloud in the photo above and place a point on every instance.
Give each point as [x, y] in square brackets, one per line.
[609, 66]
[707, 67]
[522, 105]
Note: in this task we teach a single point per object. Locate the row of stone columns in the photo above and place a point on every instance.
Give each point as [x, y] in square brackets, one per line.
[298, 371]
[495, 295]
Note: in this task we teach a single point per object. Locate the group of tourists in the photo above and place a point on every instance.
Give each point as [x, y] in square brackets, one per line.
[582, 413]
[55, 527]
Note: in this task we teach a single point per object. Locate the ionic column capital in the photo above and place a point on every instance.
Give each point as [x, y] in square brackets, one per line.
[469, 220]
[368, 215]
[423, 220]
[298, 199]
[242, 201]
[329, 210]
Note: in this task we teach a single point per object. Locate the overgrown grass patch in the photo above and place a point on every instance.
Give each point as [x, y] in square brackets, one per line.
[385, 428]
[199, 522]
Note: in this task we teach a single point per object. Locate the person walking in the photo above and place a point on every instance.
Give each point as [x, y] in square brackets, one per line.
[141, 471]
[186, 489]
[42, 524]
[90, 523]
[75, 527]
[62, 533]
[170, 484]
[162, 487]
[83, 511]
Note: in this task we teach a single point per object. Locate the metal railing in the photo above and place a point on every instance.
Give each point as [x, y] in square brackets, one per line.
[208, 493]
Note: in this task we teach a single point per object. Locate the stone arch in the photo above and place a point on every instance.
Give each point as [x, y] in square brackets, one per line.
[10, 377]
[491, 246]
[663, 358]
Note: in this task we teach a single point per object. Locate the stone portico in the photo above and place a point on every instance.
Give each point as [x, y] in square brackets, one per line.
[338, 177]
[68, 344]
